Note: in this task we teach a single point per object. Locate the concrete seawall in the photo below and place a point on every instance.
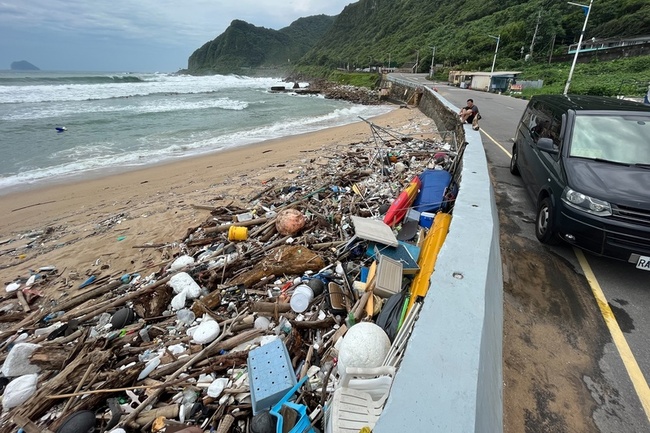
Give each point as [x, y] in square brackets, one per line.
[450, 379]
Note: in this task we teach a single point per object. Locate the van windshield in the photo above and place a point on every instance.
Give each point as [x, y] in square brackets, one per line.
[615, 138]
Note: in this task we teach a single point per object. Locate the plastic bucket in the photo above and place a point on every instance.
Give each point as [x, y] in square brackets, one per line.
[237, 233]
[301, 297]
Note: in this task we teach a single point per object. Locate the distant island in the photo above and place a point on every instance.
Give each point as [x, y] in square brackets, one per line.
[23, 65]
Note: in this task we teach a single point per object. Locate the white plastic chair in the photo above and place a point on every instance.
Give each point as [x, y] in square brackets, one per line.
[359, 400]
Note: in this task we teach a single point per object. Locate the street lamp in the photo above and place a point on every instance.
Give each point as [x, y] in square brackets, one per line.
[433, 55]
[582, 34]
[498, 38]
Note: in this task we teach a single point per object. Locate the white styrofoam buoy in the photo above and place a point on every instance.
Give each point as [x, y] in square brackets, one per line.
[206, 332]
[365, 345]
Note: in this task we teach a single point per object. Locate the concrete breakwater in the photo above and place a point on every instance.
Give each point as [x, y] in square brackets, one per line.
[451, 376]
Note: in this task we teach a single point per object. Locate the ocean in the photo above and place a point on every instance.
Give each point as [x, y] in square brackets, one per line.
[120, 121]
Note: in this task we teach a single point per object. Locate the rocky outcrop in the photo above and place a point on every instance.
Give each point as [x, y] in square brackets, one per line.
[23, 65]
[358, 95]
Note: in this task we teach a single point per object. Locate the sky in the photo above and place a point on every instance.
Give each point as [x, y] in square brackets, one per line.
[132, 35]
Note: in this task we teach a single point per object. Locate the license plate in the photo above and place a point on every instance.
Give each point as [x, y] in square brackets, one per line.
[643, 263]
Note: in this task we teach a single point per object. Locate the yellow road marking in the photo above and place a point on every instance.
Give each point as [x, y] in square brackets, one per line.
[633, 370]
[497, 143]
[636, 375]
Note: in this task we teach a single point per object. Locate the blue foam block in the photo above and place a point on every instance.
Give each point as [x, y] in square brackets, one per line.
[270, 375]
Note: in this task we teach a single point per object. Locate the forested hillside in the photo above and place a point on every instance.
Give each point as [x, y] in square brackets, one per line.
[244, 45]
[402, 31]
[374, 31]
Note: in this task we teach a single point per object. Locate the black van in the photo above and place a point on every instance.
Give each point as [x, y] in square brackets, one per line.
[585, 161]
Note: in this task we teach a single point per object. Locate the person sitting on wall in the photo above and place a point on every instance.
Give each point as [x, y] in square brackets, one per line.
[468, 113]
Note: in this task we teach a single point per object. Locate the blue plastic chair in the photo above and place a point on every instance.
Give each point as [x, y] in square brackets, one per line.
[304, 423]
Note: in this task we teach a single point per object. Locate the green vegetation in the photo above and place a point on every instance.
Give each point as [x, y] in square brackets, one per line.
[627, 76]
[374, 31]
[402, 32]
[244, 46]
[357, 79]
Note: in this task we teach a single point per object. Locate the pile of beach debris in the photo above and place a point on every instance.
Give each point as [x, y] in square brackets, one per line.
[267, 316]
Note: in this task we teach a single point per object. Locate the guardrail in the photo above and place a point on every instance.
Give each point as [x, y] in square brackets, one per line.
[450, 379]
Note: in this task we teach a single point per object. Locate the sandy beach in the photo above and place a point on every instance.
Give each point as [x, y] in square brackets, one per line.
[98, 226]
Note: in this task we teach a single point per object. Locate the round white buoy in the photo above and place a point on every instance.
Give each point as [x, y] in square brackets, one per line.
[365, 345]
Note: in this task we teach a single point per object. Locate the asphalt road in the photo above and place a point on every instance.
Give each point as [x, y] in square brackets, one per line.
[576, 356]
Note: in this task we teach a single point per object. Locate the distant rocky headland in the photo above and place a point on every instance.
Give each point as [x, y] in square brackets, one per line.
[23, 65]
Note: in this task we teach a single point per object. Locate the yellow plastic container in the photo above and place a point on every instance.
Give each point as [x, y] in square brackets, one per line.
[237, 233]
[428, 256]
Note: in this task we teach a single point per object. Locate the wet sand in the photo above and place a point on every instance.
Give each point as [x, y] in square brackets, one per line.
[99, 226]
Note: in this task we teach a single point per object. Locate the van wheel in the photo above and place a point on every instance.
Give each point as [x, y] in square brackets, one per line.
[514, 169]
[544, 223]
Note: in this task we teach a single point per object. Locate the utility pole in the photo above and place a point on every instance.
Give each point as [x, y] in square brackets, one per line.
[433, 56]
[494, 61]
[550, 54]
[532, 43]
[417, 61]
[582, 35]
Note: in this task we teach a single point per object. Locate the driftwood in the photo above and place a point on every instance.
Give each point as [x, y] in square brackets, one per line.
[313, 324]
[225, 227]
[93, 401]
[90, 294]
[65, 381]
[227, 344]
[221, 363]
[50, 357]
[27, 425]
[121, 301]
[287, 259]
[170, 411]
[270, 307]
[211, 348]
[83, 375]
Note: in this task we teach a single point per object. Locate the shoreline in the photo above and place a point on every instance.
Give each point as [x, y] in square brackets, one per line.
[109, 172]
[100, 222]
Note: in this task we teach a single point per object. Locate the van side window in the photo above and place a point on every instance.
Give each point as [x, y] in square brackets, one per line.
[555, 130]
[541, 127]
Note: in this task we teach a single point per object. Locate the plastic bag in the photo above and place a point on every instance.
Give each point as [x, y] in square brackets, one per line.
[19, 390]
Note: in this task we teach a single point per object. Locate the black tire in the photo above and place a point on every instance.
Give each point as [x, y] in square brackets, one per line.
[514, 168]
[545, 223]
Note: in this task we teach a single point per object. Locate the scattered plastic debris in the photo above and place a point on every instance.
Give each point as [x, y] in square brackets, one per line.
[239, 330]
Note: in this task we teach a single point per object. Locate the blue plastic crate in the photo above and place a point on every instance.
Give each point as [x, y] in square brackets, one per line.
[270, 375]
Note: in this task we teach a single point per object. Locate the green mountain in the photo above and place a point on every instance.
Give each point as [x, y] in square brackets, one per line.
[404, 32]
[374, 31]
[244, 46]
